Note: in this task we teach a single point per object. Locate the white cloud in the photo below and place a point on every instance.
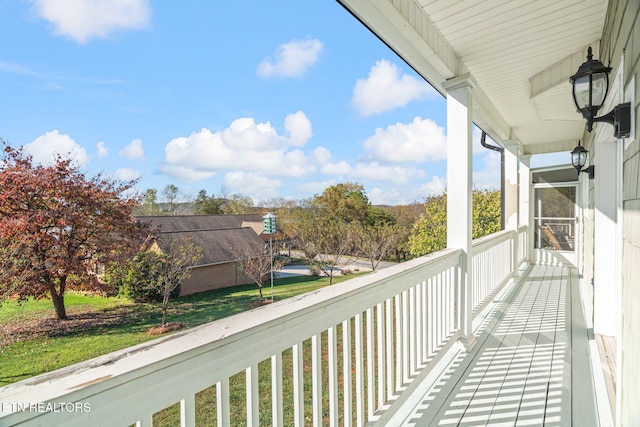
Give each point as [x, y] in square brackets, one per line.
[291, 59]
[299, 128]
[395, 174]
[45, 148]
[435, 187]
[254, 185]
[83, 20]
[322, 155]
[103, 151]
[244, 146]
[133, 151]
[489, 176]
[13, 68]
[393, 196]
[126, 174]
[387, 88]
[419, 141]
[185, 173]
[339, 168]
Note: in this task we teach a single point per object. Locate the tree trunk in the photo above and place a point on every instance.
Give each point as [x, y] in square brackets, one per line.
[58, 302]
[165, 305]
[260, 290]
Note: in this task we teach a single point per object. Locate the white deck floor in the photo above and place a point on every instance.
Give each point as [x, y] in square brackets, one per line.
[530, 366]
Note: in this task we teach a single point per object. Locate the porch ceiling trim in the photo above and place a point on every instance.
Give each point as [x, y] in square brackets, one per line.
[520, 53]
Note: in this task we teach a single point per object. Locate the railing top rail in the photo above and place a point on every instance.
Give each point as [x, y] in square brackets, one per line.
[492, 239]
[237, 339]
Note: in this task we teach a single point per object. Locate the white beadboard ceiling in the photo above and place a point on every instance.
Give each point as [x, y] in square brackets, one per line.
[520, 53]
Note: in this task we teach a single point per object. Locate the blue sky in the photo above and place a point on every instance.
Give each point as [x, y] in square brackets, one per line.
[265, 99]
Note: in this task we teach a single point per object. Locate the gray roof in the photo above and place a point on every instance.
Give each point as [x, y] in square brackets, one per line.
[169, 223]
[218, 246]
[222, 238]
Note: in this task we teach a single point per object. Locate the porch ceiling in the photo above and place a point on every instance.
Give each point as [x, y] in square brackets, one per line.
[520, 54]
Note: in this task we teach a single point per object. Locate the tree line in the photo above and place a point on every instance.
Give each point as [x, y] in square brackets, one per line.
[175, 203]
[58, 226]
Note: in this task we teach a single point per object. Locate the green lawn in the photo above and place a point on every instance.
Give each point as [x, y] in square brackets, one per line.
[29, 357]
[47, 352]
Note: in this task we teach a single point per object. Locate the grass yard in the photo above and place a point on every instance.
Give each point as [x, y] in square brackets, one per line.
[33, 342]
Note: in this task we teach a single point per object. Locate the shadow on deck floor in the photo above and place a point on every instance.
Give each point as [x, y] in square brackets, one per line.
[529, 367]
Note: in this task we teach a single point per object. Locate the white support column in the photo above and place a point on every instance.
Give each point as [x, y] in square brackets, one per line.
[524, 187]
[459, 191]
[512, 152]
[606, 282]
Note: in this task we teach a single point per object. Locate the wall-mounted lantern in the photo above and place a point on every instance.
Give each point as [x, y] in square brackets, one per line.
[590, 88]
[579, 157]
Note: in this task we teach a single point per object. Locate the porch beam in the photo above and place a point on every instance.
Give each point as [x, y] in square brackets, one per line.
[559, 72]
[459, 192]
[551, 147]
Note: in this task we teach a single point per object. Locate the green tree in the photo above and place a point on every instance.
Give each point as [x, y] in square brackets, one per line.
[344, 202]
[57, 226]
[149, 205]
[235, 204]
[430, 231]
[155, 276]
[207, 205]
[170, 194]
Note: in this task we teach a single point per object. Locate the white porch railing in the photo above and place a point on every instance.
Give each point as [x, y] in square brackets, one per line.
[495, 260]
[343, 355]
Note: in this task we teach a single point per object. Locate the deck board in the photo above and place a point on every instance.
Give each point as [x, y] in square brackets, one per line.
[520, 371]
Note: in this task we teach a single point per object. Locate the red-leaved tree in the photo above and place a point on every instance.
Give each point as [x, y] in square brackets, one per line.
[60, 226]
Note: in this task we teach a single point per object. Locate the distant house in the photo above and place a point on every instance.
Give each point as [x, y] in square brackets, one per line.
[223, 239]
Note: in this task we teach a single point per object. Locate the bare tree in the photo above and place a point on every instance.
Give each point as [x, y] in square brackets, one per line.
[377, 242]
[257, 268]
[325, 244]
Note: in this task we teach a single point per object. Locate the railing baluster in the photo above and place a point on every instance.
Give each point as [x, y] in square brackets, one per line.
[298, 385]
[188, 411]
[425, 322]
[253, 415]
[370, 365]
[405, 338]
[332, 351]
[412, 330]
[222, 399]
[316, 373]
[419, 325]
[276, 390]
[439, 302]
[380, 350]
[398, 328]
[433, 303]
[389, 345]
[346, 372]
[359, 371]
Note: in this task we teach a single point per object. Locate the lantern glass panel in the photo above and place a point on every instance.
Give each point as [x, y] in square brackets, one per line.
[599, 88]
[581, 92]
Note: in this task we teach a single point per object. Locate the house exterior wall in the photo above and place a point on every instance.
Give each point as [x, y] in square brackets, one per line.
[622, 37]
[212, 277]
